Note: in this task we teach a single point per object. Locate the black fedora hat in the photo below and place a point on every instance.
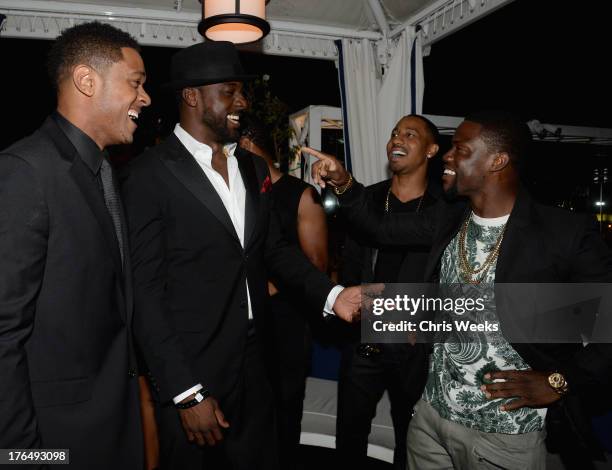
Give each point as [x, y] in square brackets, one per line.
[206, 63]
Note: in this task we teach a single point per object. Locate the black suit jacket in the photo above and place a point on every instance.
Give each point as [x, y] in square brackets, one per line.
[541, 245]
[190, 268]
[66, 356]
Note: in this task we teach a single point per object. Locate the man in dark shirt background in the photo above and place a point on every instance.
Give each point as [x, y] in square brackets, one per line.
[367, 370]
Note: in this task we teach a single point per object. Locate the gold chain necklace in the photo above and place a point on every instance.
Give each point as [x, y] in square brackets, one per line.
[466, 270]
[387, 201]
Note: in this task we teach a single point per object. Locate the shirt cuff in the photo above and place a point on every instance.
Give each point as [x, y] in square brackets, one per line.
[186, 393]
[331, 300]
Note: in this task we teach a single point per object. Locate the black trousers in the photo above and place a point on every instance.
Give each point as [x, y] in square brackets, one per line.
[289, 364]
[401, 369]
[250, 441]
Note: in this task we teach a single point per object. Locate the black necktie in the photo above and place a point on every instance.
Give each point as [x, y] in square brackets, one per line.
[111, 198]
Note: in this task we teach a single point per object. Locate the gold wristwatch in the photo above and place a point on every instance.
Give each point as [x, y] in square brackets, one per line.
[558, 383]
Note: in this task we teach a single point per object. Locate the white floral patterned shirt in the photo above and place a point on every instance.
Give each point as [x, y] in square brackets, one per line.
[458, 365]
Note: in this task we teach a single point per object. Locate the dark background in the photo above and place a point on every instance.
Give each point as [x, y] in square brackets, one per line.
[544, 60]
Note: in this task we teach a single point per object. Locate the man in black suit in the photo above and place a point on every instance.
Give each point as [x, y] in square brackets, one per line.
[67, 364]
[486, 403]
[203, 236]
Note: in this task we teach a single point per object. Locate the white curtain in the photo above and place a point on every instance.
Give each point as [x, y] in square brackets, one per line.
[361, 87]
[373, 106]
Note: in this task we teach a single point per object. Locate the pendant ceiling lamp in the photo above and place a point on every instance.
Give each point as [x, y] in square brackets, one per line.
[237, 21]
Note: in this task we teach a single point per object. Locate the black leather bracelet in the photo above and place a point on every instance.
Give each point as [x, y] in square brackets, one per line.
[200, 396]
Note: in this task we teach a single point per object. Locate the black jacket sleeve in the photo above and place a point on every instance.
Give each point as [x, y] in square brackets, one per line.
[155, 335]
[23, 247]
[590, 372]
[395, 229]
[288, 264]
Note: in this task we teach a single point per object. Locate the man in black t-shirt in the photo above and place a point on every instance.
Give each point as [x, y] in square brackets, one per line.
[367, 370]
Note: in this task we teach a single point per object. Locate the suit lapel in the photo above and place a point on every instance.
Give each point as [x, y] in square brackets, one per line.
[88, 185]
[184, 167]
[249, 177]
[515, 243]
[452, 223]
[127, 267]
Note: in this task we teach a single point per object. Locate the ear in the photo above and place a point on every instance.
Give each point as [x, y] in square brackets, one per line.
[432, 150]
[500, 161]
[190, 97]
[84, 79]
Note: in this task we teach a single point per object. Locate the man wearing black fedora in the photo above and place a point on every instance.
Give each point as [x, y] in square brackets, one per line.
[203, 238]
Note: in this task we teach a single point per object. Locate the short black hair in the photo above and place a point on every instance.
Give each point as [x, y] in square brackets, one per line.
[432, 130]
[257, 132]
[95, 44]
[503, 131]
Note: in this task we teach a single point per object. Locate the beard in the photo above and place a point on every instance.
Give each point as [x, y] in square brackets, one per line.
[451, 194]
[219, 126]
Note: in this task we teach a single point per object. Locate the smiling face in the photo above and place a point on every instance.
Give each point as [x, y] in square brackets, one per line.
[467, 163]
[409, 146]
[120, 98]
[222, 104]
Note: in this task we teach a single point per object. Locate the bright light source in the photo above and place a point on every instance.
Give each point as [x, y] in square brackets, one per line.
[600, 203]
[235, 21]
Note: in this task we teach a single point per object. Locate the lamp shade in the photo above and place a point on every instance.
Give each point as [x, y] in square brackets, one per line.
[237, 21]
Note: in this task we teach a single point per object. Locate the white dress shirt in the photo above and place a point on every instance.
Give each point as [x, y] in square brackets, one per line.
[233, 196]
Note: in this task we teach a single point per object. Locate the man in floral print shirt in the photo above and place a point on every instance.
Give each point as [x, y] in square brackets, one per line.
[487, 401]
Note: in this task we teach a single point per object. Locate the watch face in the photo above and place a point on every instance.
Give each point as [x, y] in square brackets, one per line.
[556, 380]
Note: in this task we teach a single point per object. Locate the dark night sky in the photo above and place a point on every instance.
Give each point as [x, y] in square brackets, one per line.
[538, 58]
[544, 59]
[25, 90]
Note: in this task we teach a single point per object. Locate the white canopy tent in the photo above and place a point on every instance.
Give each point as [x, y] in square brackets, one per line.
[298, 27]
[380, 42]
[307, 125]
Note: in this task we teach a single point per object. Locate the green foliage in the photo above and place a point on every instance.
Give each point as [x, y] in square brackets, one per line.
[270, 110]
